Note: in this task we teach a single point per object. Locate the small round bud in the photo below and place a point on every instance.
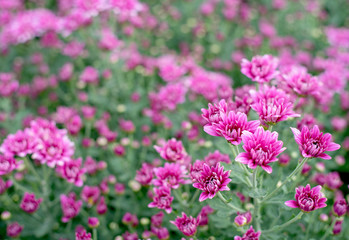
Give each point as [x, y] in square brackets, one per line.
[6, 215]
[323, 217]
[93, 222]
[145, 221]
[134, 185]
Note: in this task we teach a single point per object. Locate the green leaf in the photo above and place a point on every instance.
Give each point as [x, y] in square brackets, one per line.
[257, 193]
[44, 228]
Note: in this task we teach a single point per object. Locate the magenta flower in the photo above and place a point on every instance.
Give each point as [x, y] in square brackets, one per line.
[90, 194]
[261, 148]
[172, 151]
[13, 230]
[4, 185]
[313, 143]
[261, 69]
[213, 114]
[93, 222]
[250, 234]
[101, 207]
[203, 215]
[145, 174]
[232, 126]
[272, 105]
[19, 144]
[162, 199]
[70, 206]
[195, 170]
[213, 158]
[72, 171]
[83, 235]
[308, 199]
[7, 164]
[212, 180]
[340, 207]
[89, 75]
[243, 219]
[29, 204]
[171, 175]
[187, 225]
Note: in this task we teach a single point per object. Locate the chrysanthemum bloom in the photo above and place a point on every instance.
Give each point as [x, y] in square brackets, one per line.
[83, 235]
[145, 174]
[337, 228]
[160, 232]
[213, 114]
[7, 164]
[272, 105]
[232, 126]
[261, 148]
[101, 207]
[250, 234]
[301, 82]
[14, 230]
[72, 171]
[195, 170]
[93, 222]
[340, 207]
[90, 194]
[333, 181]
[70, 206]
[313, 143]
[162, 199]
[187, 225]
[156, 220]
[203, 215]
[171, 175]
[308, 199]
[261, 69]
[89, 75]
[212, 180]
[130, 219]
[29, 204]
[19, 144]
[213, 158]
[172, 151]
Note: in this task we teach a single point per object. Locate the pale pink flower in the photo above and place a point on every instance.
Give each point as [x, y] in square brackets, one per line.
[211, 181]
[313, 143]
[261, 148]
[308, 199]
[213, 158]
[89, 75]
[261, 69]
[7, 164]
[145, 174]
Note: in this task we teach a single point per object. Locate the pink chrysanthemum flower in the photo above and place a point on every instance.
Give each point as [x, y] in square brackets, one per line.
[232, 126]
[308, 199]
[212, 180]
[13, 230]
[70, 206]
[213, 113]
[261, 148]
[171, 175]
[29, 204]
[213, 158]
[145, 175]
[19, 144]
[162, 199]
[301, 82]
[250, 234]
[90, 194]
[72, 171]
[172, 151]
[187, 225]
[7, 164]
[261, 69]
[272, 105]
[196, 169]
[313, 143]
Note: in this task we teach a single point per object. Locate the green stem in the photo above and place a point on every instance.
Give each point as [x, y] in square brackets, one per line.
[310, 225]
[256, 202]
[329, 229]
[298, 169]
[225, 201]
[19, 186]
[179, 198]
[95, 234]
[279, 227]
[194, 197]
[31, 167]
[235, 150]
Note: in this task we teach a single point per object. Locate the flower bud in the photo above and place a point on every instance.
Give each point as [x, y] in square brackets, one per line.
[323, 217]
[5, 215]
[240, 221]
[339, 207]
[337, 227]
[145, 221]
[93, 222]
